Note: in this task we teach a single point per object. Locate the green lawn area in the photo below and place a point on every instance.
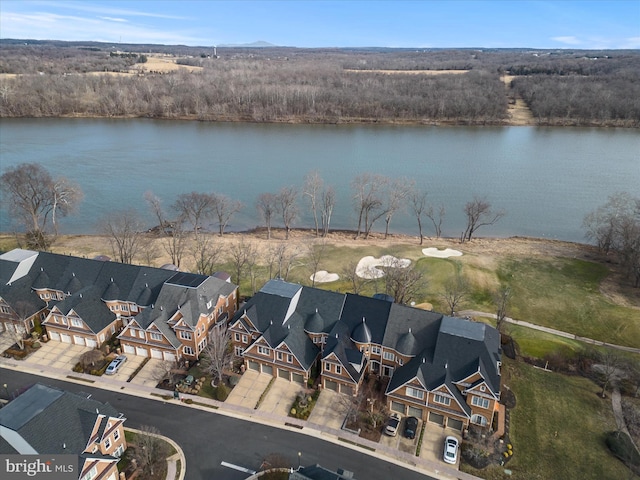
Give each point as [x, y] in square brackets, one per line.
[557, 428]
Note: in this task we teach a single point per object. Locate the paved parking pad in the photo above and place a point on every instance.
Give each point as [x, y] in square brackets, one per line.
[329, 410]
[57, 354]
[127, 368]
[280, 397]
[249, 389]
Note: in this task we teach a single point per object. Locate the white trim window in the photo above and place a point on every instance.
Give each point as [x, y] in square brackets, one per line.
[480, 402]
[415, 393]
[264, 350]
[188, 350]
[245, 339]
[338, 368]
[327, 367]
[239, 351]
[279, 355]
[91, 474]
[479, 420]
[202, 344]
[107, 443]
[116, 435]
[389, 356]
[185, 335]
[375, 350]
[236, 337]
[441, 399]
[289, 358]
[156, 336]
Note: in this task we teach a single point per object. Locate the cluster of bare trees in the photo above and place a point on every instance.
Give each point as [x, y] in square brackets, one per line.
[577, 100]
[315, 85]
[615, 227]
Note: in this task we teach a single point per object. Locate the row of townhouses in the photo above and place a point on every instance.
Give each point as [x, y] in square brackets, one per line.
[158, 313]
[441, 369]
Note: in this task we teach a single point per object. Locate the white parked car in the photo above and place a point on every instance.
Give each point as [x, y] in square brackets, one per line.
[451, 450]
[115, 364]
[392, 425]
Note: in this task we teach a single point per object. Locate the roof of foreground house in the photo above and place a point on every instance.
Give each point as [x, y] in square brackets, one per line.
[44, 419]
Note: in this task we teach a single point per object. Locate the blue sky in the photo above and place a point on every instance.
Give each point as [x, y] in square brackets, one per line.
[595, 24]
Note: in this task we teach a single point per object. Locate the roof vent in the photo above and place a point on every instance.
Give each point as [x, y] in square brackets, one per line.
[41, 269]
[80, 295]
[64, 445]
[409, 329]
[161, 308]
[73, 273]
[424, 360]
[316, 309]
[111, 279]
[289, 326]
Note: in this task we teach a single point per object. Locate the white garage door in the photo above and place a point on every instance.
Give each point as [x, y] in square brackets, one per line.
[129, 349]
[91, 342]
[169, 357]
[65, 338]
[54, 336]
[156, 353]
[78, 340]
[141, 352]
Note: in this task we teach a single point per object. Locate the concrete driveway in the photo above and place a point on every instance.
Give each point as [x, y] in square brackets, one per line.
[127, 368]
[280, 397]
[249, 389]
[329, 410]
[57, 354]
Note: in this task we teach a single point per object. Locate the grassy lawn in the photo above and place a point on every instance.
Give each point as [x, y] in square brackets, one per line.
[557, 428]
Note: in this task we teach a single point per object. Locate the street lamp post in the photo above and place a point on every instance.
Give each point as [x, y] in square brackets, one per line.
[6, 390]
[299, 457]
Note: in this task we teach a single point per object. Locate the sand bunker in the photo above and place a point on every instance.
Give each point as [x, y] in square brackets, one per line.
[367, 265]
[446, 253]
[322, 276]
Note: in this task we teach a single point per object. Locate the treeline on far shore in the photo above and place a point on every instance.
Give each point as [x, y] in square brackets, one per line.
[323, 86]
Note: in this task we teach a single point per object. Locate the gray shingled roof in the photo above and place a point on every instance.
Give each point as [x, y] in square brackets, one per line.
[53, 421]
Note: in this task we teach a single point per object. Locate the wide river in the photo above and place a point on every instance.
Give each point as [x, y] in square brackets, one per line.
[546, 179]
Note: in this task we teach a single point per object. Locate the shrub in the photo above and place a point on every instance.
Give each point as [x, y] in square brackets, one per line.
[78, 368]
[222, 392]
[621, 446]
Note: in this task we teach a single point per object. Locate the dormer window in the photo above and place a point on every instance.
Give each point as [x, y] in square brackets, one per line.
[209, 303]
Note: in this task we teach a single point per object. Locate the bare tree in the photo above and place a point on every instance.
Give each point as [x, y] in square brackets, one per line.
[91, 357]
[194, 208]
[218, 354]
[266, 206]
[502, 300]
[328, 202]
[368, 190]
[455, 289]
[151, 450]
[66, 197]
[312, 188]
[286, 207]
[224, 209]
[317, 253]
[396, 195]
[479, 214]
[240, 252]
[149, 252]
[436, 215]
[350, 273]
[608, 367]
[175, 244]
[403, 282]
[282, 256]
[166, 370]
[156, 208]
[33, 196]
[124, 231]
[418, 203]
[206, 254]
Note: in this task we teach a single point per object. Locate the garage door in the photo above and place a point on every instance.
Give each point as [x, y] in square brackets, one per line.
[331, 385]
[415, 412]
[156, 353]
[91, 343]
[65, 338]
[141, 352]
[397, 407]
[54, 336]
[129, 349]
[296, 377]
[254, 366]
[169, 357]
[267, 369]
[78, 340]
[284, 374]
[436, 418]
[454, 423]
[346, 389]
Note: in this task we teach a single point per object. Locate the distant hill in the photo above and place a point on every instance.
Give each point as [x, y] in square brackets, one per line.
[259, 43]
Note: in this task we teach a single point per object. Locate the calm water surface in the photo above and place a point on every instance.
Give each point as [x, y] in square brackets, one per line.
[546, 179]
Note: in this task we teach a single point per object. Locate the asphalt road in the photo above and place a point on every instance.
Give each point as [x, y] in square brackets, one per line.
[208, 439]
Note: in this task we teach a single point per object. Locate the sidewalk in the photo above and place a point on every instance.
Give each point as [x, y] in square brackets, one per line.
[321, 431]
